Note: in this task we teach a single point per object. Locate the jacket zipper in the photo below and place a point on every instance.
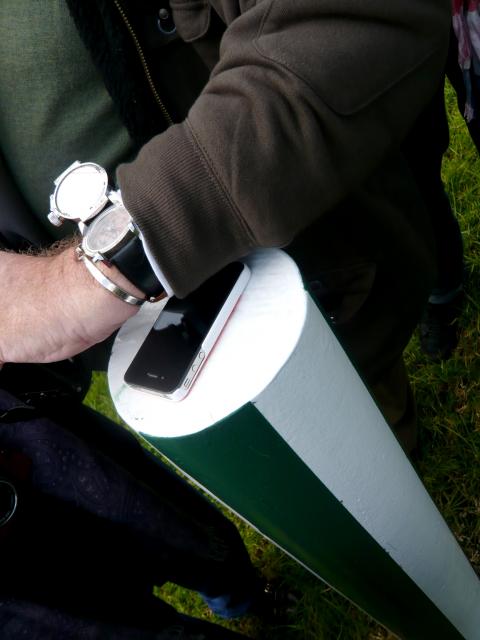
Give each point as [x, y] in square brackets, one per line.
[143, 60]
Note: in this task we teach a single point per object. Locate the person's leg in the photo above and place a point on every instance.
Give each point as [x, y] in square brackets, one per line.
[438, 328]
[394, 396]
[424, 149]
[386, 379]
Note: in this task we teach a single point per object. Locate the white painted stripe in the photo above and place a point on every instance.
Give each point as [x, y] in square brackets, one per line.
[320, 407]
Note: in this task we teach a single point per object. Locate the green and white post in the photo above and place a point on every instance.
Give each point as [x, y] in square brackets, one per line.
[280, 428]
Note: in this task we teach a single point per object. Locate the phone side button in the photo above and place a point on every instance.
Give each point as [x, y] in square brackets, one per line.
[194, 367]
[187, 382]
[201, 355]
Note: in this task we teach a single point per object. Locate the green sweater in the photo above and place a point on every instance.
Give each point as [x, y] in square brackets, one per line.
[48, 120]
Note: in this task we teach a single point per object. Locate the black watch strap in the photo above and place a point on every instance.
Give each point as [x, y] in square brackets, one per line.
[132, 262]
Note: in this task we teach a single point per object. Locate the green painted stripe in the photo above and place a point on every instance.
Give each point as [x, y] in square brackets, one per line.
[247, 465]
[321, 409]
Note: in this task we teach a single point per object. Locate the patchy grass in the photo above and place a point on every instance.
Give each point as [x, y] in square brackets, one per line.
[448, 397]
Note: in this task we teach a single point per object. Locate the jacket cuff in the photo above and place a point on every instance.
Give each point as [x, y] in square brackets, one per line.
[191, 226]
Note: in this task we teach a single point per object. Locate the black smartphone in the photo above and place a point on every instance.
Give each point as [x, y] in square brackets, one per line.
[184, 333]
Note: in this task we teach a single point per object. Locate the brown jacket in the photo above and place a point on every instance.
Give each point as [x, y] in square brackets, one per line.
[295, 141]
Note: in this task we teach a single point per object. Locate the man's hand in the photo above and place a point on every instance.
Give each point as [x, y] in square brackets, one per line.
[52, 308]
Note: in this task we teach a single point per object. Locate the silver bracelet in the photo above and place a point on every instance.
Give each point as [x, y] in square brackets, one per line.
[107, 284]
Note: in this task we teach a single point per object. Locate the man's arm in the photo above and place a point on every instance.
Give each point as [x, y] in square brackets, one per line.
[307, 99]
[52, 308]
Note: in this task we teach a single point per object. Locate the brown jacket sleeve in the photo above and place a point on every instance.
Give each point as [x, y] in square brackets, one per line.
[307, 98]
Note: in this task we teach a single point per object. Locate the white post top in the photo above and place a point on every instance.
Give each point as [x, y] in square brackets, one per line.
[260, 336]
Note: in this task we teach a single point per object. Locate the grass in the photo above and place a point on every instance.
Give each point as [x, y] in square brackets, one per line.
[448, 397]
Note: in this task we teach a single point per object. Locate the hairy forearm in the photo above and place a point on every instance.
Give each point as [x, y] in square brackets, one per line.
[52, 308]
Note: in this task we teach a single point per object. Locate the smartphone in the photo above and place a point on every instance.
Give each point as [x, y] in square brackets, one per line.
[184, 333]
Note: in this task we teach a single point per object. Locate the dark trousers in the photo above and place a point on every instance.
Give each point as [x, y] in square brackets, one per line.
[424, 148]
[100, 521]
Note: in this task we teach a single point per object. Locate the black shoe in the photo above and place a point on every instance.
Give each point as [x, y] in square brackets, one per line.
[275, 604]
[439, 331]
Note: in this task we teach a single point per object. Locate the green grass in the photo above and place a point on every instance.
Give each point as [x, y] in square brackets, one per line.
[448, 397]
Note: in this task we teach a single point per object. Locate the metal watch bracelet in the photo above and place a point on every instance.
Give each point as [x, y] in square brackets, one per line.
[107, 284]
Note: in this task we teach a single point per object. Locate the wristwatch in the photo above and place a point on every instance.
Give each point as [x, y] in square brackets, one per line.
[83, 195]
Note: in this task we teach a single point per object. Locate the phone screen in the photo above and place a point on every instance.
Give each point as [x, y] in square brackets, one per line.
[177, 335]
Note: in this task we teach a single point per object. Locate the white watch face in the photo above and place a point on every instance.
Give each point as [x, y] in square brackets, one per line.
[106, 231]
[82, 192]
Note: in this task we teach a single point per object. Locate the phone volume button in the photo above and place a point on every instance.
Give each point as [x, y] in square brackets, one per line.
[194, 367]
[201, 355]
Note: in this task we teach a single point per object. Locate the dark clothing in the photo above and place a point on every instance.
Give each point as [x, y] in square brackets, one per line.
[295, 117]
[99, 523]
[424, 148]
[22, 620]
[293, 139]
[259, 159]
